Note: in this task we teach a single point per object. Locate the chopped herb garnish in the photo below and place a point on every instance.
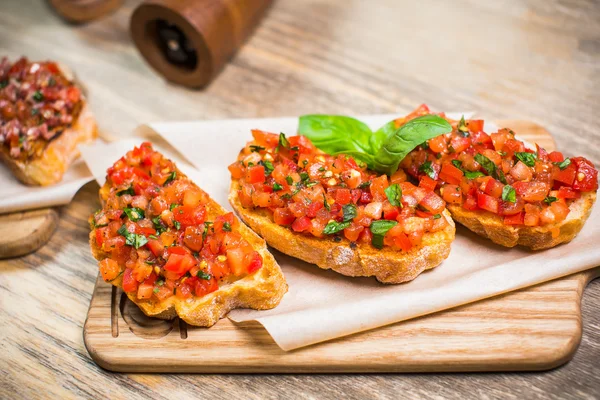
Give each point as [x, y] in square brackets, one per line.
[150, 262]
[268, 166]
[170, 178]
[203, 275]
[379, 228]
[159, 225]
[38, 96]
[134, 213]
[3, 84]
[509, 194]
[364, 185]
[255, 149]
[132, 239]
[564, 164]
[35, 111]
[490, 168]
[289, 180]
[51, 81]
[311, 183]
[325, 204]
[304, 162]
[526, 158]
[155, 290]
[437, 216]
[153, 237]
[334, 227]
[277, 187]
[321, 169]
[227, 227]
[427, 169]
[283, 142]
[177, 225]
[129, 191]
[349, 212]
[394, 194]
[462, 127]
[550, 199]
[304, 176]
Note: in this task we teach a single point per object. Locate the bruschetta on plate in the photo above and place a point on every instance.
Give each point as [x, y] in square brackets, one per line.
[43, 117]
[173, 250]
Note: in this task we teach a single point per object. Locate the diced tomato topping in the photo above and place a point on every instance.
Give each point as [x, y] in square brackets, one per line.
[486, 202]
[109, 269]
[255, 174]
[129, 283]
[516, 219]
[450, 174]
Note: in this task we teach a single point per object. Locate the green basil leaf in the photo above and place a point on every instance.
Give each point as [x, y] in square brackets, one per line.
[405, 139]
[129, 191]
[334, 227]
[277, 187]
[380, 136]
[490, 167]
[473, 174]
[134, 213]
[325, 204]
[550, 199]
[564, 164]
[255, 149]
[379, 228]
[526, 158]
[283, 142]
[226, 227]
[349, 212]
[428, 170]
[437, 216]
[335, 134]
[268, 166]
[462, 127]
[289, 180]
[203, 275]
[159, 225]
[457, 164]
[509, 194]
[132, 239]
[394, 194]
[170, 178]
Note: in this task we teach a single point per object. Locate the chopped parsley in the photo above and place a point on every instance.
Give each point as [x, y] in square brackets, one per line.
[289, 180]
[304, 176]
[277, 187]
[268, 166]
[255, 149]
[550, 200]
[203, 275]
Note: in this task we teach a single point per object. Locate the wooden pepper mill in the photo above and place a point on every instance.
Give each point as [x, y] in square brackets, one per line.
[189, 41]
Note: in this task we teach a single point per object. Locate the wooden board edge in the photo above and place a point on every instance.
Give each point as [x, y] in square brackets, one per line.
[39, 236]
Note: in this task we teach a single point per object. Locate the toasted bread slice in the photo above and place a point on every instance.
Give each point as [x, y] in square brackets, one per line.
[260, 290]
[57, 156]
[386, 265]
[491, 226]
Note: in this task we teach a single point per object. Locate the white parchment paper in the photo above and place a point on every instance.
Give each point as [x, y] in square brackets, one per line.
[323, 305]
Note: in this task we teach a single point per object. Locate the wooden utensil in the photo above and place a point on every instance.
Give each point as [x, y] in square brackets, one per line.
[189, 42]
[24, 232]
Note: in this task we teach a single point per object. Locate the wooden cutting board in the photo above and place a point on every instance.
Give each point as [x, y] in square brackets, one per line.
[531, 329]
[26, 231]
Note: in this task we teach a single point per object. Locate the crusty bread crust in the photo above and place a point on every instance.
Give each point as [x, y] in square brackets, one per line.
[261, 290]
[491, 226]
[386, 265]
[58, 154]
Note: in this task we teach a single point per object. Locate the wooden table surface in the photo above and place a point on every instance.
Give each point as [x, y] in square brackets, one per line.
[535, 59]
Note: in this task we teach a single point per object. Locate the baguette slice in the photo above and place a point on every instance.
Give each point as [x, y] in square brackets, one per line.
[260, 290]
[58, 155]
[491, 226]
[386, 265]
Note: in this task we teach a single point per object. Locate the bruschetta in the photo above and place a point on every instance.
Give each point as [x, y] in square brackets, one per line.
[43, 117]
[173, 250]
[333, 212]
[502, 190]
